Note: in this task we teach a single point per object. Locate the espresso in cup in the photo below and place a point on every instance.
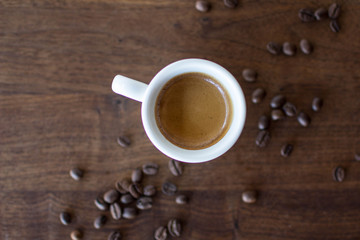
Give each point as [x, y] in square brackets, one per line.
[193, 111]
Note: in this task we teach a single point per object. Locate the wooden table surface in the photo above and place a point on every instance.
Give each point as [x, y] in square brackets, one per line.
[57, 111]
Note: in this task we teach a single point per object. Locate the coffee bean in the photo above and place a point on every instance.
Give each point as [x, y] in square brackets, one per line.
[289, 109]
[169, 188]
[274, 48]
[144, 203]
[286, 150]
[334, 25]
[174, 228]
[149, 190]
[334, 11]
[115, 211]
[316, 104]
[129, 213]
[175, 167]
[249, 196]
[264, 122]
[123, 185]
[321, 13]
[76, 174]
[116, 235]
[65, 218]
[306, 15]
[150, 168]
[101, 204]
[289, 49]
[135, 190]
[277, 114]
[181, 199]
[127, 198]
[249, 75]
[111, 196]
[202, 6]
[278, 101]
[339, 174]
[258, 95]
[100, 221]
[231, 3]
[76, 234]
[123, 141]
[357, 156]
[306, 46]
[136, 175]
[262, 138]
[160, 233]
[303, 119]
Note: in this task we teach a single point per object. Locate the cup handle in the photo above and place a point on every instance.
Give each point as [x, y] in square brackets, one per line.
[129, 87]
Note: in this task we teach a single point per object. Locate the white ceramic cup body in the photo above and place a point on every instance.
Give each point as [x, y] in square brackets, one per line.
[147, 94]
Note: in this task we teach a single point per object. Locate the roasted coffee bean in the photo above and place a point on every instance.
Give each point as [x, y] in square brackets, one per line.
[286, 150]
[65, 218]
[274, 48]
[181, 199]
[100, 221]
[76, 234]
[357, 156]
[277, 114]
[202, 6]
[258, 95]
[334, 25]
[174, 228]
[101, 204]
[123, 185]
[339, 174]
[289, 109]
[249, 196]
[136, 190]
[144, 203]
[321, 13]
[334, 11]
[231, 3]
[111, 196]
[316, 104]
[249, 75]
[150, 168]
[169, 188]
[175, 167]
[116, 235]
[289, 49]
[115, 211]
[160, 233]
[306, 15]
[127, 198]
[76, 174]
[123, 141]
[136, 175]
[304, 119]
[149, 190]
[306, 46]
[262, 138]
[264, 122]
[278, 101]
[129, 213]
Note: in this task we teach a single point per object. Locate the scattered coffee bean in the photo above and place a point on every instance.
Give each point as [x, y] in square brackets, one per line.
[264, 122]
[258, 95]
[135, 190]
[115, 211]
[126, 198]
[274, 48]
[181, 199]
[149, 190]
[123, 185]
[289, 109]
[277, 114]
[150, 168]
[65, 218]
[316, 104]
[357, 156]
[202, 6]
[306, 15]
[306, 46]
[249, 75]
[175, 167]
[334, 11]
[116, 235]
[321, 13]
[262, 138]
[231, 3]
[76, 174]
[286, 150]
[101, 204]
[76, 234]
[278, 101]
[174, 228]
[111, 196]
[160, 233]
[169, 188]
[339, 174]
[303, 119]
[289, 49]
[129, 213]
[249, 196]
[334, 25]
[136, 175]
[123, 141]
[144, 203]
[100, 221]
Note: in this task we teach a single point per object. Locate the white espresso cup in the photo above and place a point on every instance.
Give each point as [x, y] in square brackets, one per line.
[148, 93]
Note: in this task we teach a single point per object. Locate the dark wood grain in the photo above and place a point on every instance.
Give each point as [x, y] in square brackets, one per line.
[57, 111]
